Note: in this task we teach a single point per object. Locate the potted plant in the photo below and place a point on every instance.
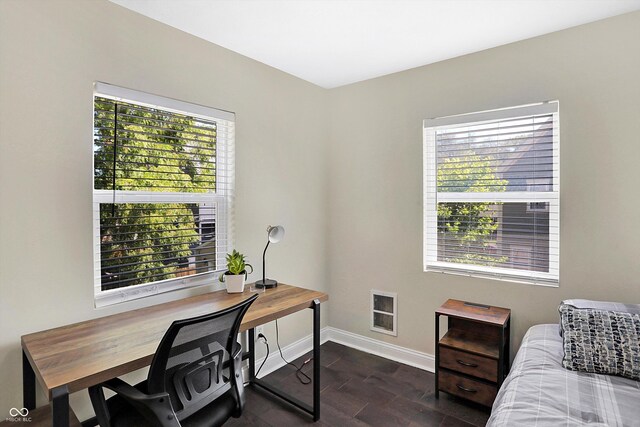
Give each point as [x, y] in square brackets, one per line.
[236, 272]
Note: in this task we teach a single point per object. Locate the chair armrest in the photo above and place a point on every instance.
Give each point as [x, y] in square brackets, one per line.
[129, 392]
[154, 407]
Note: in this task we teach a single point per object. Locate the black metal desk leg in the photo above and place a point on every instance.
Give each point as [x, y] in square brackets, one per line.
[60, 403]
[316, 360]
[437, 353]
[313, 410]
[252, 355]
[28, 384]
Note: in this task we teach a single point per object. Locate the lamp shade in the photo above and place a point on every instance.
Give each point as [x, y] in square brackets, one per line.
[276, 233]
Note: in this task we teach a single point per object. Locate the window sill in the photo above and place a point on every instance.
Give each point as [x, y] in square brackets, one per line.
[501, 274]
[116, 296]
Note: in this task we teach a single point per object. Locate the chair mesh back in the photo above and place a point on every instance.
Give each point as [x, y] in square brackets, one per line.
[192, 361]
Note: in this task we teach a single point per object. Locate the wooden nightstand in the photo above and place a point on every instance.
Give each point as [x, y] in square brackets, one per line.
[472, 358]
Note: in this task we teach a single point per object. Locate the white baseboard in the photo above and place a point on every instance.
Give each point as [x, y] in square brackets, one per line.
[393, 352]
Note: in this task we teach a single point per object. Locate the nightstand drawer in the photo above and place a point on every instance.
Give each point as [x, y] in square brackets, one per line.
[476, 391]
[470, 364]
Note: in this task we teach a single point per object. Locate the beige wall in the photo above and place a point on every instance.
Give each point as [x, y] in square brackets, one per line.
[51, 52]
[349, 195]
[375, 177]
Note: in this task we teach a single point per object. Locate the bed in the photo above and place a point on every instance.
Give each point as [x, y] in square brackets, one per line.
[540, 392]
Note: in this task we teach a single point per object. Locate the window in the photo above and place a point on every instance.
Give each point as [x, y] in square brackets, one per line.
[163, 188]
[491, 194]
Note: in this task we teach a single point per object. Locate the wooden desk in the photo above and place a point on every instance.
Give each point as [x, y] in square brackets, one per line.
[74, 357]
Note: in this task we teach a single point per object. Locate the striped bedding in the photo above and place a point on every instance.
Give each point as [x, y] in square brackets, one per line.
[540, 392]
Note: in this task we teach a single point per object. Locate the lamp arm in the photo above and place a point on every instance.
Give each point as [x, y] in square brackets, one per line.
[264, 254]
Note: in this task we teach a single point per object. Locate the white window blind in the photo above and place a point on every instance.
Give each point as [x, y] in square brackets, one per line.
[491, 194]
[163, 193]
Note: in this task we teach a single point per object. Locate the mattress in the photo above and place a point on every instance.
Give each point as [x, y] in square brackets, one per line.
[540, 392]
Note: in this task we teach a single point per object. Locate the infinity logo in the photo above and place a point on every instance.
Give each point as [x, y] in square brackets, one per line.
[14, 412]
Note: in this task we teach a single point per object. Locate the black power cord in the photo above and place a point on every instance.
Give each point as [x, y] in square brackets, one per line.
[301, 376]
[267, 356]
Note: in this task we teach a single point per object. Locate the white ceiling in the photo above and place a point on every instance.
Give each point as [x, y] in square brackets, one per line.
[337, 42]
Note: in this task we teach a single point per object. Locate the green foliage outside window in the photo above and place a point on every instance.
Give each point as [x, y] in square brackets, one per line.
[159, 151]
[469, 225]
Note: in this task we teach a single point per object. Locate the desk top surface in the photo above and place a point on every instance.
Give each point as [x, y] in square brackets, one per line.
[86, 353]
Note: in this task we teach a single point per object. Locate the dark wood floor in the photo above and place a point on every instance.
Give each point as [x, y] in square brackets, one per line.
[359, 389]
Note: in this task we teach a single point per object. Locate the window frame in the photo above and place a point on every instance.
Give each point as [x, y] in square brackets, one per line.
[431, 197]
[222, 198]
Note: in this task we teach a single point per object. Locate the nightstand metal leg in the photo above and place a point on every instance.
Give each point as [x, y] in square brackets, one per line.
[437, 353]
[507, 347]
[501, 358]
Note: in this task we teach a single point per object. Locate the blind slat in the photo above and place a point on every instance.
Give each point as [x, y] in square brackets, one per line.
[533, 147]
[210, 126]
[109, 133]
[530, 132]
[116, 284]
[108, 142]
[504, 115]
[526, 161]
[116, 268]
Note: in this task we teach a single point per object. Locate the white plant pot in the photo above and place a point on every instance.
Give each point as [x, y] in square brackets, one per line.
[235, 283]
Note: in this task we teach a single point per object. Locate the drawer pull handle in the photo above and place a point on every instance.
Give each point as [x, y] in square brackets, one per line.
[463, 363]
[468, 390]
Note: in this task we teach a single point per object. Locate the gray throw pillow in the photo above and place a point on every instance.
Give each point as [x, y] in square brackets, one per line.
[601, 341]
[601, 305]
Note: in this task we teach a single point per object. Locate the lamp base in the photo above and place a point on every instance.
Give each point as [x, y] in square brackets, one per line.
[267, 283]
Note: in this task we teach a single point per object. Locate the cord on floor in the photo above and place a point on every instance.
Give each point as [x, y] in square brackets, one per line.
[301, 376]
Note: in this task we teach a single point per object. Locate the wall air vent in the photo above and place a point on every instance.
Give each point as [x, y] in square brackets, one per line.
[384, 312]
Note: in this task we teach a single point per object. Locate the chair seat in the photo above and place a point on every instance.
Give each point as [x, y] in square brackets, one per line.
[213, 415]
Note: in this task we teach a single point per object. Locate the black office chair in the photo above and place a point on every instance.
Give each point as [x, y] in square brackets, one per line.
[195, 378]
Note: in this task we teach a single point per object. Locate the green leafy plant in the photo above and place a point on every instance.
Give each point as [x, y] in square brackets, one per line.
[236, 264]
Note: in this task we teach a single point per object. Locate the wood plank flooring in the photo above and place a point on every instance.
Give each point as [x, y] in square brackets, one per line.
[359, 389]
